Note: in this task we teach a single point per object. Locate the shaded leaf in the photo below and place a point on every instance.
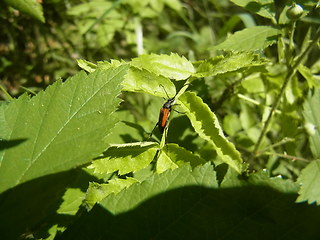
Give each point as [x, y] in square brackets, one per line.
[183, 176]
[250, 39]
[170, 66]
[309, 180]
[181, 204]
[207, 126]
[261, 178]
[64, 126]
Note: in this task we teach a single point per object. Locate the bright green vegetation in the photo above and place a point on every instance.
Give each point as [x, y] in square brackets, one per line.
[242, 161]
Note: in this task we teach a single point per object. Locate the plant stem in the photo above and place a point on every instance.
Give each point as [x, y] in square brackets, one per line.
[6, 93]
[293, 158]
[290, 74]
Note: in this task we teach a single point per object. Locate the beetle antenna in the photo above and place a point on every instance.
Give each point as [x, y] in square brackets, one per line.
[164, 90]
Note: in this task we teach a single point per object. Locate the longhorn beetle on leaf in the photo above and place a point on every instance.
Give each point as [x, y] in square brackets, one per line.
[165, 112]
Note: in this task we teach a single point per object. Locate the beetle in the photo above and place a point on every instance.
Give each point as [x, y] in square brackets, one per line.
[165, 112]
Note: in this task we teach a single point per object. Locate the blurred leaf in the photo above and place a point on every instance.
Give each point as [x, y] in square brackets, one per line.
[126, 158]
[170, 66]
[250, 39]
[310, 183]
[173, 156]
[231, 124]
[174, 4]
[307, 74]
[207, 126]
[64, 126]
[30, 7]
[246, 117]
[232, 62]
[264, 8]
[311, 114]
[253, 84]
[96, 192]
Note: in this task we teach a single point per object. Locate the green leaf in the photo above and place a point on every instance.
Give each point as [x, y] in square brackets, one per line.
[185, 204]
[72, 200]
[30, 204]
[126, 158]
[232, 62]
[61, 128]
[231, 124]
[173, 156]
[250, 39]
[309, 180]
[136, 80]
[264, 8]
[307, 74]
[253, 84]
[147, 82]
[261, 178]
[30, 7]
[172, 179]
[170, 66]
[96, 192]
[311, 114]
[112, 64]
[207, 126]
[86, 65]
[174, 4]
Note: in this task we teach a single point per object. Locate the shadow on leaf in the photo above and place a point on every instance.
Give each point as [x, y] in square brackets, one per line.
[5, 144]
[252, 212]
[31, 207]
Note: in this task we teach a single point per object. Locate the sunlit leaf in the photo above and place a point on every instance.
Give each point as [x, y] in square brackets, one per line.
[207, 126]
[96, 192]
[173, 156]
[61, 128]
[126, 158]
[184, 176]
[310, 183]
[170, 66]
[250, 39]
[72, 200]
[86, 65]
[147, 82]
[185, 204]
[232, 62]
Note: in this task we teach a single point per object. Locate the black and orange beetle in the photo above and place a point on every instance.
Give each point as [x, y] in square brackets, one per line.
[165, 112]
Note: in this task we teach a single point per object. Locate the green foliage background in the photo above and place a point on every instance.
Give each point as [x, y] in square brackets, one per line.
[76, 157]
